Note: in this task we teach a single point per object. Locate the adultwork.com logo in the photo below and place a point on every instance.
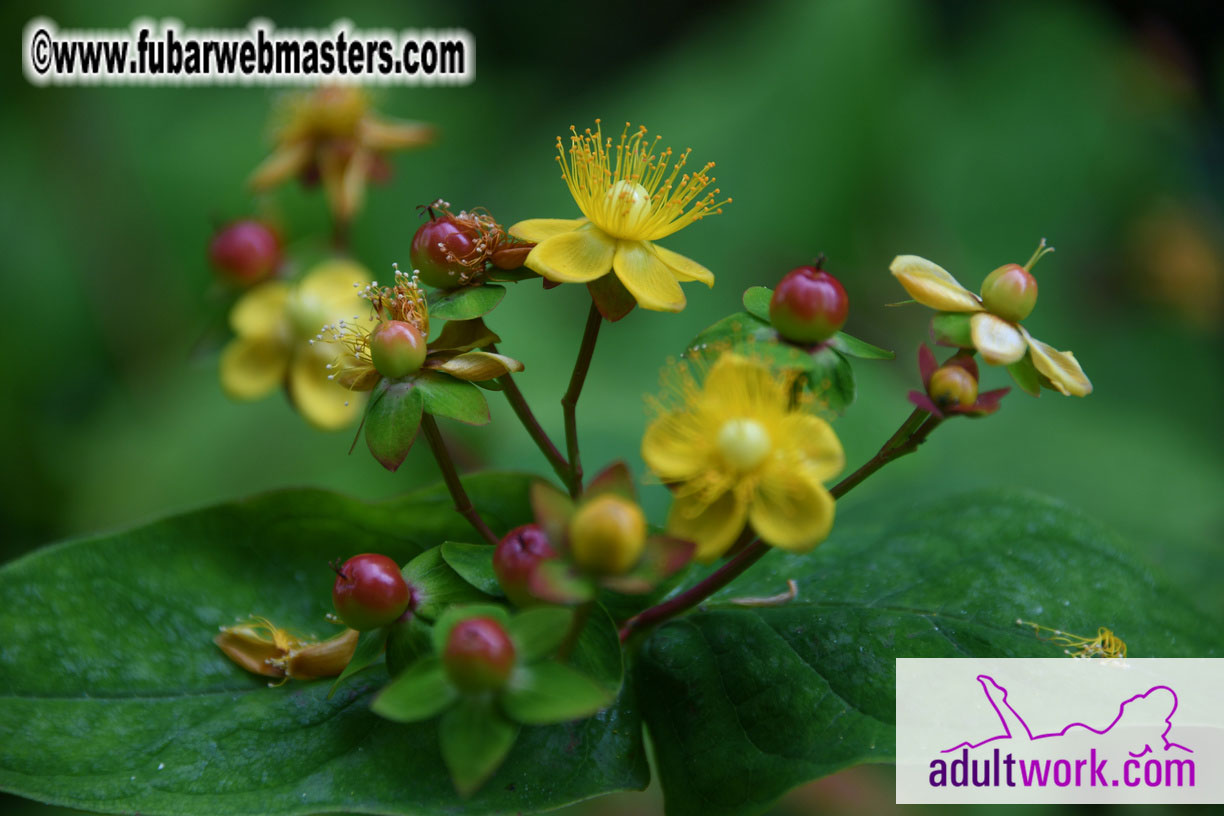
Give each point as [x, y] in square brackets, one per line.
[1060, 730]
[1130, 750]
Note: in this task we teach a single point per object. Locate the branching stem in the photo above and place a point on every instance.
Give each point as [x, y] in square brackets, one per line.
[463, 502]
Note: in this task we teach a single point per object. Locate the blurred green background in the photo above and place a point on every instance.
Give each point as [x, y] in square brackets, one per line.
[960, 131]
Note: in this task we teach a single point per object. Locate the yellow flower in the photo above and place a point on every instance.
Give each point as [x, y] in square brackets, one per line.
[276, 325]
[737, 448]
[330, 135]
[999, 341]
[629, 199]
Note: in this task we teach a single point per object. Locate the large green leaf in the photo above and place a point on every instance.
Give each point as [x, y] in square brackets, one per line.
[745, 703]
[114, 698]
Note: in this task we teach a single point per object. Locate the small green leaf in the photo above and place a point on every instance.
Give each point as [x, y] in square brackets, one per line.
[756, 301]
[454, 614]
[1026, 375]
[463, 335]
[466, 303]
[418, 694]
[474, 563]
[551, 692]
[407, 641]
[369, 649]
[392, 420]
[733, 329]
[538, 632]
[446, 396]
[952, 329]
[475, 739]
[435, 585]
[554, 581]
[831, 380]
[598, 653]
[848, 344]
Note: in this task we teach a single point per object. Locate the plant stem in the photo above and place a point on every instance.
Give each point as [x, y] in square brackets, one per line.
[569, 402]
[523, 411]
[912, 433]
[463, 502]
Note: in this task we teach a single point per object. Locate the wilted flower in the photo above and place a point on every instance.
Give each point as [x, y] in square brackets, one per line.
[630, 197]
[740, 448]
[261, 647]
[276, 324]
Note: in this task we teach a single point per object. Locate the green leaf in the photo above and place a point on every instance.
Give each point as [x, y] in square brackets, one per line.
[952, 329]
[598, 653]
[436, 586]
[463, 335]
[550, 692]
[735, 329]
[420, 693]
[756, 301]
[446, 396]
[392, 419]
[474, 563]
[407, 641]
[848, 344]
[538, 632]
[108, 671]
[830, 378]
[744, 703]
[1026, 375]
[475, 739]
[369, 648]
[466, 303]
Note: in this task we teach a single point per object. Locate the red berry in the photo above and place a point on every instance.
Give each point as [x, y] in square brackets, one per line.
[479, 655]
[516, 556]
[436, 251]
[1010, 292]
[245, 252]
[370, 592]
[397, 349]
[808, 306]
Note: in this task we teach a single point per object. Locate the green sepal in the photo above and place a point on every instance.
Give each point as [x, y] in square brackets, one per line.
[521, 273]
[463, 335]
[474, 563]
[552, 510]
[408, 641]
[756, 301]
[392, 419]
[849, 344]
[830, 379]
[448, 397]
[454, 614]
[466, 303]
[1026, 375]
[435, 585]
[551, 692]
[538, 632]
[475, 738]
[422, 692]
[952, 329]
[369, 648]
[554, 581]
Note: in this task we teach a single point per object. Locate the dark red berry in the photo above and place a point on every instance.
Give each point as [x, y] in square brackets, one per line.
[397, 349]
[808, 306]
[479, 655]
[370, 592]
[438, 249]
[516, 557]
[245, 252]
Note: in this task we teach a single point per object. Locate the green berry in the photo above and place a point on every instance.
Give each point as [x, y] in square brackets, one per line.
[397, 349]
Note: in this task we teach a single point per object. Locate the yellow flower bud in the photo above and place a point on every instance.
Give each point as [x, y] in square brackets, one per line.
[607, 535]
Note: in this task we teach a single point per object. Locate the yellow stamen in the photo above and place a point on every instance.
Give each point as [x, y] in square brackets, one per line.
[1105, 644]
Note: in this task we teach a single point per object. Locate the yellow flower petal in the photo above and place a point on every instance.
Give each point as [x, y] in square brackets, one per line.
[261, 311]
[677, 445]
[286, 161]
[1060, 367]
[791, 508]
[320, 401]
[999, 342]
[579, 256]
[816, 443]
[652, 284]
[541, 229]
[932, 285]
[684, 268]
[336, 284]
[253, 367]
[394, 134]
[712, 526]
[739, 386]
